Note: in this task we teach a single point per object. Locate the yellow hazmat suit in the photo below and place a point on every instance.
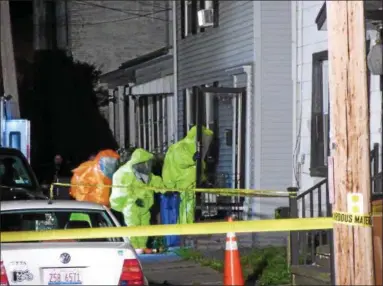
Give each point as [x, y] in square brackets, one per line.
[179, 170]
[134, 200]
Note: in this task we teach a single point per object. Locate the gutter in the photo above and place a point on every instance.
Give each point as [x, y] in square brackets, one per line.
[145, 58]
[128, 68]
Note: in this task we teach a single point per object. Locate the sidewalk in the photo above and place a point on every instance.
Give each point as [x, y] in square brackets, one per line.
[172, 270]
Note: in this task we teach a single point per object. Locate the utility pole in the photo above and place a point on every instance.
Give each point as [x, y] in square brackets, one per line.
[8, 65]
[350, 139]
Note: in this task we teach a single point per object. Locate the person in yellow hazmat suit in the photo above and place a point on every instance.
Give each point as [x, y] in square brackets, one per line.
[179, 169]
[131, 195]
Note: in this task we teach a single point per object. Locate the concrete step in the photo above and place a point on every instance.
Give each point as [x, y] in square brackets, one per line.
[310, 275]
[323, 257]
[324, 249]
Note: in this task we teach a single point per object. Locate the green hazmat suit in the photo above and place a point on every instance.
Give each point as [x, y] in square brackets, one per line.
[179, 170]
[134, 200]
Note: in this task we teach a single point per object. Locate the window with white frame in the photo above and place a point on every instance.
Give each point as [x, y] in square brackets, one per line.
[150, 128]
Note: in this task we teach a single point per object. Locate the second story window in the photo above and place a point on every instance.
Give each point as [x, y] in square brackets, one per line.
[319, 115]
[192, 10]
[188, 18]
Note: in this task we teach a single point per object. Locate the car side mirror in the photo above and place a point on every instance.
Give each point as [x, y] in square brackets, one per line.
[45, 187]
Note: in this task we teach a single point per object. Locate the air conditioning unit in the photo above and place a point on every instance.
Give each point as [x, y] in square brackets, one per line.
[205, 18]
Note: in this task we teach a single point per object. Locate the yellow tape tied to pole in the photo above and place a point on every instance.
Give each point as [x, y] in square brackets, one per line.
[175, 229]
[217, 191]
[352, 219]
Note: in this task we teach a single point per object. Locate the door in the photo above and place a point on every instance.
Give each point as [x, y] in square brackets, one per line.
[223, 111]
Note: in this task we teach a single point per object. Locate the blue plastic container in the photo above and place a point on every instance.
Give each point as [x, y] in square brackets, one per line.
[169, 211]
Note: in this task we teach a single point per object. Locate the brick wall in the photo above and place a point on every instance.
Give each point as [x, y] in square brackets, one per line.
[107, 33]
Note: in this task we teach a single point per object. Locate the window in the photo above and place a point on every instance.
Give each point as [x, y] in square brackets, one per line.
[151, 122]
[190, 110]
[189, 15]
[13, 172]
[320, 115]
[15, 140]
[48, 219]
[320, 121]
[208, 106]
[215, 4]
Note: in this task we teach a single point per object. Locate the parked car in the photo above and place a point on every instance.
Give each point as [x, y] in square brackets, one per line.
[105, 261]
[17, 179]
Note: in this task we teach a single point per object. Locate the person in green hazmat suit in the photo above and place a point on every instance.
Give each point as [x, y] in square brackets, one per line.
[179, 169]
[134, 200]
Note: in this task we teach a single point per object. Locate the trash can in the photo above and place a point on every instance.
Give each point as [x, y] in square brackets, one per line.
[170, 203]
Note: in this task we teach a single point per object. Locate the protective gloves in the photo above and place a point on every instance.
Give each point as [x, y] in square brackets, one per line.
[140, 203]
[196, 156]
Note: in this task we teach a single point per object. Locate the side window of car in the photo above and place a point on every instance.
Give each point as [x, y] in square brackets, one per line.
[21, 177]
[49, 223]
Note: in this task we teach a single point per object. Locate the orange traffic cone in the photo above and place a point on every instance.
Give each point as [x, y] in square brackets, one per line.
[233, 269]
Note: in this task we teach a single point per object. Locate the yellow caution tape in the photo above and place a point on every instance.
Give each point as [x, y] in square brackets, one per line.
[174, 229]
[352, 219]
[218, 191]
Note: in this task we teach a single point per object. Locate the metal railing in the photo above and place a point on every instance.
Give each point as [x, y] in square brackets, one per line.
[315, 202]
[217, 207]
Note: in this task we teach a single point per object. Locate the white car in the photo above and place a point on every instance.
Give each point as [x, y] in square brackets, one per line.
[107, 261]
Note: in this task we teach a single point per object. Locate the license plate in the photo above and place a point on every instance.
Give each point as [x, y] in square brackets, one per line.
[63, 276]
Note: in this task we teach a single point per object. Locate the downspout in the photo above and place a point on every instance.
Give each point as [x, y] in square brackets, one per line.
[175, 73]
[294, 72]
[249, 126]
[2, 121]
[234, 139]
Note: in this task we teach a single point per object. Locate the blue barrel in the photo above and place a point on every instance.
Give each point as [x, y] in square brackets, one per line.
[169, 211]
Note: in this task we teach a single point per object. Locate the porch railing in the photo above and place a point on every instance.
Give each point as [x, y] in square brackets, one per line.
[315, 202]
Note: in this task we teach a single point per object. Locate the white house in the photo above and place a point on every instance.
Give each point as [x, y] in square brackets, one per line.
[311, 90]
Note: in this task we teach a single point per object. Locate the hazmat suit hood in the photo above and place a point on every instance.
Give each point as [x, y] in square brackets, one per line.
[207, 138]
[92, 179]
[107, 162]
[141, 164]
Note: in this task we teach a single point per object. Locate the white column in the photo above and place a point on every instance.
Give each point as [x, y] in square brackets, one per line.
[132, 121]
[111, 110]
[121, 115]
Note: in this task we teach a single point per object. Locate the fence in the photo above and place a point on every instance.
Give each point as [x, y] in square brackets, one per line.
[211, 207]
[315, 202]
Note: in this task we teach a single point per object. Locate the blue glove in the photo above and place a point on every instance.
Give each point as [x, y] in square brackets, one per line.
[196, 156]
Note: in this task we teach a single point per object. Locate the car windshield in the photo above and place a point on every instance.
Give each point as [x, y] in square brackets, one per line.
[48, 219]
[14, 173]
